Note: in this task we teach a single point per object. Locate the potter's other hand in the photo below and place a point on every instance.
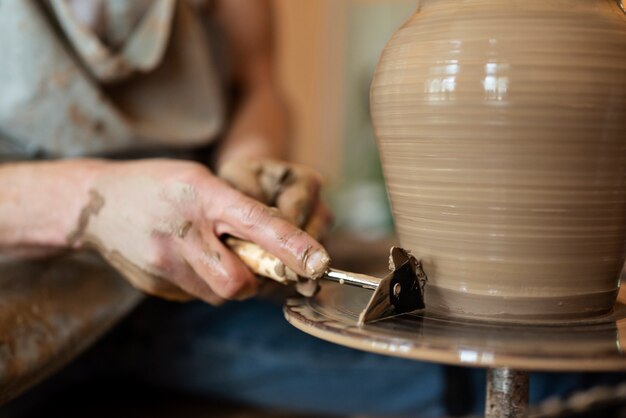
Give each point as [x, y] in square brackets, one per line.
[159, 222]
[292, 188]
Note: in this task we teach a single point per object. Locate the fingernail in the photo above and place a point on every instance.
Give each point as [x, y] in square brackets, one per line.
[317, 263]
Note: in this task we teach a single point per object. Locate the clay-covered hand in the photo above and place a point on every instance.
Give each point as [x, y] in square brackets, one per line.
[159, 222]
[293, 189]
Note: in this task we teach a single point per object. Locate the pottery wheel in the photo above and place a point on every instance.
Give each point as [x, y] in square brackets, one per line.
[593, 346]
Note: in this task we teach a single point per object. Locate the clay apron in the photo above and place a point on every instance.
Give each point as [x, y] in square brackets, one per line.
[67, 94]
[502, 132]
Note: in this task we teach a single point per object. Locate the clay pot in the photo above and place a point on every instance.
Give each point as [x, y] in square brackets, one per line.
[502, 132]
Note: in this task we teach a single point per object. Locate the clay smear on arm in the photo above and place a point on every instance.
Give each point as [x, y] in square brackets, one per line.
[93, 207]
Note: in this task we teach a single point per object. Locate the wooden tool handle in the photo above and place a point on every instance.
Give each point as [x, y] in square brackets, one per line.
[260, 261]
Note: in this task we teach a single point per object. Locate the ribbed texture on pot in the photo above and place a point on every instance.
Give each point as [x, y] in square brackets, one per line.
[502, 131]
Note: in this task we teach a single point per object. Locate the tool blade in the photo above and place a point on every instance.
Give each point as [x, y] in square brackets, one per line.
[399, 292]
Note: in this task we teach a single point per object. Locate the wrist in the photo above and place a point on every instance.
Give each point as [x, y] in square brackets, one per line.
[84, 176]
[252, 148]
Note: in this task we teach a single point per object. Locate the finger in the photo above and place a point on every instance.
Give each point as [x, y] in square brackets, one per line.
[180, 276]
[146, 282]
[269, 289]
[248, 219]
[218, 267]
[209, 296]
[272, 178]
[191, 283]
[298, 198]
[320, 221]
[244, 176]
[159, 287]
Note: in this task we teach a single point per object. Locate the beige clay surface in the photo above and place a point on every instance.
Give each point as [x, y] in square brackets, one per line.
[502, 130]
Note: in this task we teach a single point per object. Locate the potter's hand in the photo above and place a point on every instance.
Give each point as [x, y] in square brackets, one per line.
[293, 189]
[159, 223]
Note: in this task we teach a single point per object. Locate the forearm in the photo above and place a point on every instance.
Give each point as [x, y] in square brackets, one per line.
[41, 203]
[259, 127]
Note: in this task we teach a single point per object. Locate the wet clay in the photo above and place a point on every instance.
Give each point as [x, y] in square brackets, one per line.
[502, 133]
[96, 202]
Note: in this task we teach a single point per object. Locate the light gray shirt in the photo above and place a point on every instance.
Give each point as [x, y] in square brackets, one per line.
[65, 93]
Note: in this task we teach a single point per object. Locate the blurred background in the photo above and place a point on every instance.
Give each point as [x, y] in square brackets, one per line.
[327, 52]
